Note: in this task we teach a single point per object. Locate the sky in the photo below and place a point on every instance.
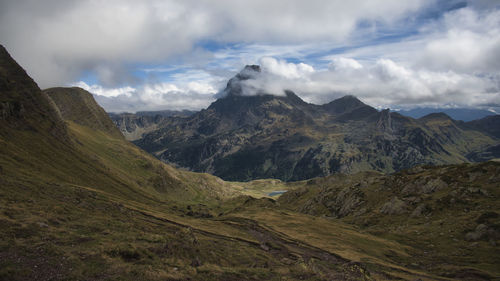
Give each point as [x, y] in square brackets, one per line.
[178, 54]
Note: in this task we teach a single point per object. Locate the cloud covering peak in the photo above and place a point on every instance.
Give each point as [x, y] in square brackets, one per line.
[173, 54]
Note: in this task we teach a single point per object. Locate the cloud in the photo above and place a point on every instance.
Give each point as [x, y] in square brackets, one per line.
[156, 96]
[469, 41]
[344, 64]
[111, 92]
[284, 69]
[175, 54]
[58, 40]
[383, 83]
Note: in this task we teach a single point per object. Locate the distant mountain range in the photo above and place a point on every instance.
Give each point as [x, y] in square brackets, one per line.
[463, 114]
[242, 137]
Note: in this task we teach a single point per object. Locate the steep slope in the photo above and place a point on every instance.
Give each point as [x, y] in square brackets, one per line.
[250, 134]
[22, 104]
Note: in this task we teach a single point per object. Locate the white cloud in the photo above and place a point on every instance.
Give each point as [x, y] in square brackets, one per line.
[285, 69]
[466, 40]
[58, 40]
[346, 64]
[383, 83]
[155, 96]
[106, 92]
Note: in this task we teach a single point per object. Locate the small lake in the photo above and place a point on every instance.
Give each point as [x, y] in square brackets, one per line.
[277, 192]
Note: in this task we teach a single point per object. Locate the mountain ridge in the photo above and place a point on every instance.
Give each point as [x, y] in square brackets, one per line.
[244, 137]
[69, 101]
[462, 114]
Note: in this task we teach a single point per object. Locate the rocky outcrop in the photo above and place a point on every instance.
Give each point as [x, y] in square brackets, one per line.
[394, 207]
[133, 127]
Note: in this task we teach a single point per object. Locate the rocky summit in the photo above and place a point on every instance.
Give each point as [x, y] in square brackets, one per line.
[249, 133]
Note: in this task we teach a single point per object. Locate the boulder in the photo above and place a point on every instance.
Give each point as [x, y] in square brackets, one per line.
[394, 207]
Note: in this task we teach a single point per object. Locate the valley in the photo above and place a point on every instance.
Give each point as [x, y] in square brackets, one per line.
[80, 202]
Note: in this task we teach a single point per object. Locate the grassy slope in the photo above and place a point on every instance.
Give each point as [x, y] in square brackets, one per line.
[84, 213]
[96, 209]
[456, 200]
[78, 203]
[92, 214]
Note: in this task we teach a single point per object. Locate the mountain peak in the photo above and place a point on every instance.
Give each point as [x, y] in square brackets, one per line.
[22, 104]
[252, 67]
[248, 72]
[234, 86]
[343, 104]
[79, 106]
[435, 116]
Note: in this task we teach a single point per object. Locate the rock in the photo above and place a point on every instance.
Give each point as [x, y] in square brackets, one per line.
[413, 200]
[420, 210]
[480, 232]
[421, 187]
[433, 186]
[473, 190]
[394, 207]
[42, 224]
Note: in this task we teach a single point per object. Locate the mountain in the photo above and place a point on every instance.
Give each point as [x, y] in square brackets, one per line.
[78, 106]
[489, 125]
[79, 202]
[23, 105]
[463, 114]
[249, 134]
